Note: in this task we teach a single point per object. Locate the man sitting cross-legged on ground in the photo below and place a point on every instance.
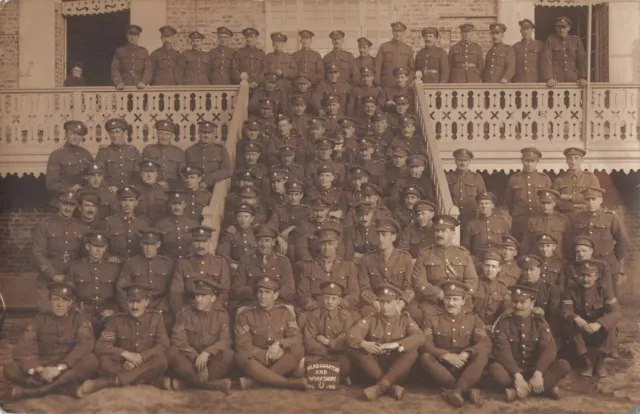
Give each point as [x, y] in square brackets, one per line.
[132, 346]
[201, 354]
[55, 352]
[268, 340]
[457, 347]
[388, 340]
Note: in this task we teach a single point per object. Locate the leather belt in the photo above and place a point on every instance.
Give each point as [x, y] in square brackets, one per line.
[468, 65]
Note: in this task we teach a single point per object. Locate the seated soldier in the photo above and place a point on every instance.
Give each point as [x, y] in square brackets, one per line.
[387, 340]
[208, 158]
[492, 299]
[371, 195]
[233, 246]
[95, 281]
[305, 242]
[333, 108]
[405, 213]
[418, 176]
[196, 196]
[398, 111]
[266, 118]
[361, 237]
[592, 313]
[364, 157]
[325, 176]
[252, 131]
[553, 266]
[525, 351]
[96, 183]
[486, 230]
[420, 233]
[401, 87]
[396, 173]
[249, 196]
[152, 200]
[509, 270]
[88, 208]
[132, 346]
[584, 249]
[368, 109]
[298, 111]
[409, 136]
[457, 347]
[292, 214]
[200, 355]
[345, 142]
[55, 353]
[200, 264]
[268, 340]
[287, 161]
[276, 196]
[268, 90]
[122, 228]
[325, 329]
[373, 94]
[323, 156]
[251, 153]
[176, 226]
[357, 176]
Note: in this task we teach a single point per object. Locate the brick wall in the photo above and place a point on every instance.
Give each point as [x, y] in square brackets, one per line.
[15, 239]
[9, 56]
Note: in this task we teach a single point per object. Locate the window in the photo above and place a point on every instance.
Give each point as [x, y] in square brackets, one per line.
[356, 18]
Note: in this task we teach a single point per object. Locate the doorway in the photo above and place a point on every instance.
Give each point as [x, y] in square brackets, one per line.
[92, 40]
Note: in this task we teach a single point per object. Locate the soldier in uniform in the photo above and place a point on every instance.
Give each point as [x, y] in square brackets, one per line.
[292, 214]
[492, 300]
[268, 340]
[164, 59]
[366, 89]
[88, 205]
[377, 170]
[361, 237]
[393, 54]
[592, 313]
[553, 266]
[66, 165]
[563, 57]
[528, 53]
[298, 110]
[305, 241]
[281, 63]
[285, 135]
[108, 202]
[399, 87]
[572, 183]
[432, 60]
[152, 202]
[220, 58]
[57, 243]
[197, 197]
[95, 280]
[148, 269]
[308, 61]
[509, 269]
[521, 198]
[465, 186]
[119, 159]
[465, 58]
[500, 62]
[456, 347]
[419, 234]
[325, 329]
[584, 249]
[386, 340]
[131, 349]
[405, 213]
[248, 59]
[486, 230]
[194, 65]
[324, 187]
[365, 60]
[170, 157]
[301, 89]
[607, 231]
[525, 351]
[548, 222]
[333, 84]
[210, 155]
[200, 355]
[440, 262]
[131, 65]
[345, 61]
[286, 162]
[200, 264]
[270, 88]
[176, 226]
[233, 246]
[122, 228]
[54, 354]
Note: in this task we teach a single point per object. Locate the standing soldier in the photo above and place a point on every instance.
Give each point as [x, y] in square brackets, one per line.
[432, 60]
[164, 59]
[492, 300]
[500, 63]
[308, 61]
[197, 197]
[548, 222]
[152, 202]
[170, 157]
[465, 58]
[220, 58]
[393, 54]
[268, 340]
[66, 165]
[564, 58]
[456, 364]
[486, 230]
[388, 339]
[419, 234]
[194, 65]
[119, 159]
[88, 206]
[573, 182]
[131, 65]
[123, 228]
[210, 155]
[175, 227]
[528, 53]
[345, 61]
[201, 354]
[132, 347]
[607, 232]
[107, 200]
[56, 244]
[525, 351]
[521, 198]
[281, 63]
[465, 186]
[365, 60]
[54, 354]
[248, 59]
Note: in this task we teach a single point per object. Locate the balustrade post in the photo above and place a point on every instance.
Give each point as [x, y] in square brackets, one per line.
[586, 109]
[77, 105]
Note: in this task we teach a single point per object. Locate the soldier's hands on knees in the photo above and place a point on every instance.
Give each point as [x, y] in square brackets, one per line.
[203, 375]
[272, 351]
[453, 360]
[50, 373]
[128, 365]
[593, 327]
[536, 382]
[132, 357]
[522, 387]
[371, 347]
[201, 360]
[322, 339]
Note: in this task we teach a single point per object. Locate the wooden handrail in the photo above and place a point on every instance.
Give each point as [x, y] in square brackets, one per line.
[128, 89]
[214, 212]
[439, 179]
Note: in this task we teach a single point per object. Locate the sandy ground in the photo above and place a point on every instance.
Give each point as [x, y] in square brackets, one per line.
[617, 393]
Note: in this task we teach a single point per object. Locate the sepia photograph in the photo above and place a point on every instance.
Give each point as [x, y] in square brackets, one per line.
[320, 206]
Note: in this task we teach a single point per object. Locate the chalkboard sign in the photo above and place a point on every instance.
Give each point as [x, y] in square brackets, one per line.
[323, 375]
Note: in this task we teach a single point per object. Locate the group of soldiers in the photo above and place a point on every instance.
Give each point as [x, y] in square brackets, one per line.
[331, 248]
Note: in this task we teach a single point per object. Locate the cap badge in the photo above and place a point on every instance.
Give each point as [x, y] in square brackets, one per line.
[64, 290]
[441, 221]
[99, 237]
[518, 291]
[332, 285]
